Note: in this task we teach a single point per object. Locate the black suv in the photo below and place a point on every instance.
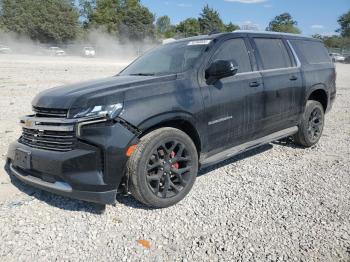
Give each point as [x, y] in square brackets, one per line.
[180, 107]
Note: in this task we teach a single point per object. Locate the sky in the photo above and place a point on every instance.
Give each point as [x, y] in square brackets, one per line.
[313, 16]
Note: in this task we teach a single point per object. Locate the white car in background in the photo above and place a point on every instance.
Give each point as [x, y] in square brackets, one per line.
[89, 51]
[5, 49]
[56, 51]
[336, 57]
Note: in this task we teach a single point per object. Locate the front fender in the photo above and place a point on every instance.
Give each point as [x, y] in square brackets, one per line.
[178, 119]
[167, 117]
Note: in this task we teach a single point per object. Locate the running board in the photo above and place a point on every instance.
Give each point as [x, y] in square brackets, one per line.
[247, 146]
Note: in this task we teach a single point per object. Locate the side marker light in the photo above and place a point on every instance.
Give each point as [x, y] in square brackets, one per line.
[130, 150]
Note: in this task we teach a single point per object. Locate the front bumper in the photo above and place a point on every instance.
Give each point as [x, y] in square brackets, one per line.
[62, 188]
[92, 171]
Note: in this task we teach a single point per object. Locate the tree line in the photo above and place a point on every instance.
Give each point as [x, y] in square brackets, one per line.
[208, 21]
[342, 40]
[61, 21]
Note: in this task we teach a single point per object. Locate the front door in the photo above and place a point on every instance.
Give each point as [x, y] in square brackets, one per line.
[233, 106]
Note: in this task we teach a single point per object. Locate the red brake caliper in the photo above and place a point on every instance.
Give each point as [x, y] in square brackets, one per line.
[174, 165]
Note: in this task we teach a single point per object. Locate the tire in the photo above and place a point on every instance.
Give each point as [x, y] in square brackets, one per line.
[163, 167]
[311, 125]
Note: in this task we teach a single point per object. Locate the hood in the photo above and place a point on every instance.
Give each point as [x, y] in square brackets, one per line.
[102, 91]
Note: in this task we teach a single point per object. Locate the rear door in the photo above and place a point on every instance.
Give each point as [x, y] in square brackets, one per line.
[282, 83]
[233, 103]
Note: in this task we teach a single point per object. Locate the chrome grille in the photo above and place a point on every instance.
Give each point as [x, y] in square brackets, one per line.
[52, 133]
[49, 112]
[49, 140]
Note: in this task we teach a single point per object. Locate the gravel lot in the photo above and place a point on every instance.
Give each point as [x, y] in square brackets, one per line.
[275, 203]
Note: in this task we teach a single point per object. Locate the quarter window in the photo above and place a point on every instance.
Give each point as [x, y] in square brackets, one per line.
[234, 49]
[311, 52]
[273, 53]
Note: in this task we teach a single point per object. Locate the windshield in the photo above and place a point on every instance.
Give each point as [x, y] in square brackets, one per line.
[167, 59]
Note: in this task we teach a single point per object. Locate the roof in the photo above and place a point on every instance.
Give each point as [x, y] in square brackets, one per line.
[219, 35]
[270, 33]
[203, 37]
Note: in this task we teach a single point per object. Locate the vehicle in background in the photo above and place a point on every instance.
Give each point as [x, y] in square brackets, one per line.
[5, 49]
[182, 106]
[56, 51]
[336, 57]
[347, 60]
[89, 51]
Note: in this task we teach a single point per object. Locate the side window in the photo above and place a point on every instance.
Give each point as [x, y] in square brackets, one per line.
[311, 52]
[273, 53]
[234, 49]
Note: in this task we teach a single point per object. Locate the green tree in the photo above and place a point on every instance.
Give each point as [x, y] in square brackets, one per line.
[137, 22]
[317, 36]
[86, 9]
[127, 19]
[210, 20]
[230, 27]
[105, 15]
[171, 32]
[188, 27]
[46, 21]
[163, 24]
[334, 41]
[283, 23]
[344, 22]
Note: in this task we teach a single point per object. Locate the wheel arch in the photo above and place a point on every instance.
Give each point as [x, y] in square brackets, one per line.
[319, 93]
[181, 121]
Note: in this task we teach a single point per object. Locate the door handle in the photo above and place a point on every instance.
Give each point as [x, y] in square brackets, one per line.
[254, 84]
[293, 78]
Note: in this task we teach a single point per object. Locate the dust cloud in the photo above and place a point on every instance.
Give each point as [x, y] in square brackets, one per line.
[105, 45]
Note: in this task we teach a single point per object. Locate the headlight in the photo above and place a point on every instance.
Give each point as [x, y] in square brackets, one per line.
[109, 111]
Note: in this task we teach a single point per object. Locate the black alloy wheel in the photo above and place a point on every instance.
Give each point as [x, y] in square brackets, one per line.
[311, 125]
[163, 167]
[315, 124]
[168, 169]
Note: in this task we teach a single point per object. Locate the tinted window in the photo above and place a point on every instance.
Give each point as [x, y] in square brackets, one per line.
[234, 49]
[273, 53]
[311, 52]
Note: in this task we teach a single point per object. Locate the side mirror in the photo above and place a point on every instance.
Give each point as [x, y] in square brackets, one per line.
[220, 69]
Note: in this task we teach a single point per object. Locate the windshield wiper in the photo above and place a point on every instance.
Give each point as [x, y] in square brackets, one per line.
[143, 74]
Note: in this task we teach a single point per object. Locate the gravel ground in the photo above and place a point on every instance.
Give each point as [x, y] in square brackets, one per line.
[275, 203]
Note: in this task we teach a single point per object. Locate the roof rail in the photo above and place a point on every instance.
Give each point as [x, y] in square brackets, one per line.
[269, 33]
